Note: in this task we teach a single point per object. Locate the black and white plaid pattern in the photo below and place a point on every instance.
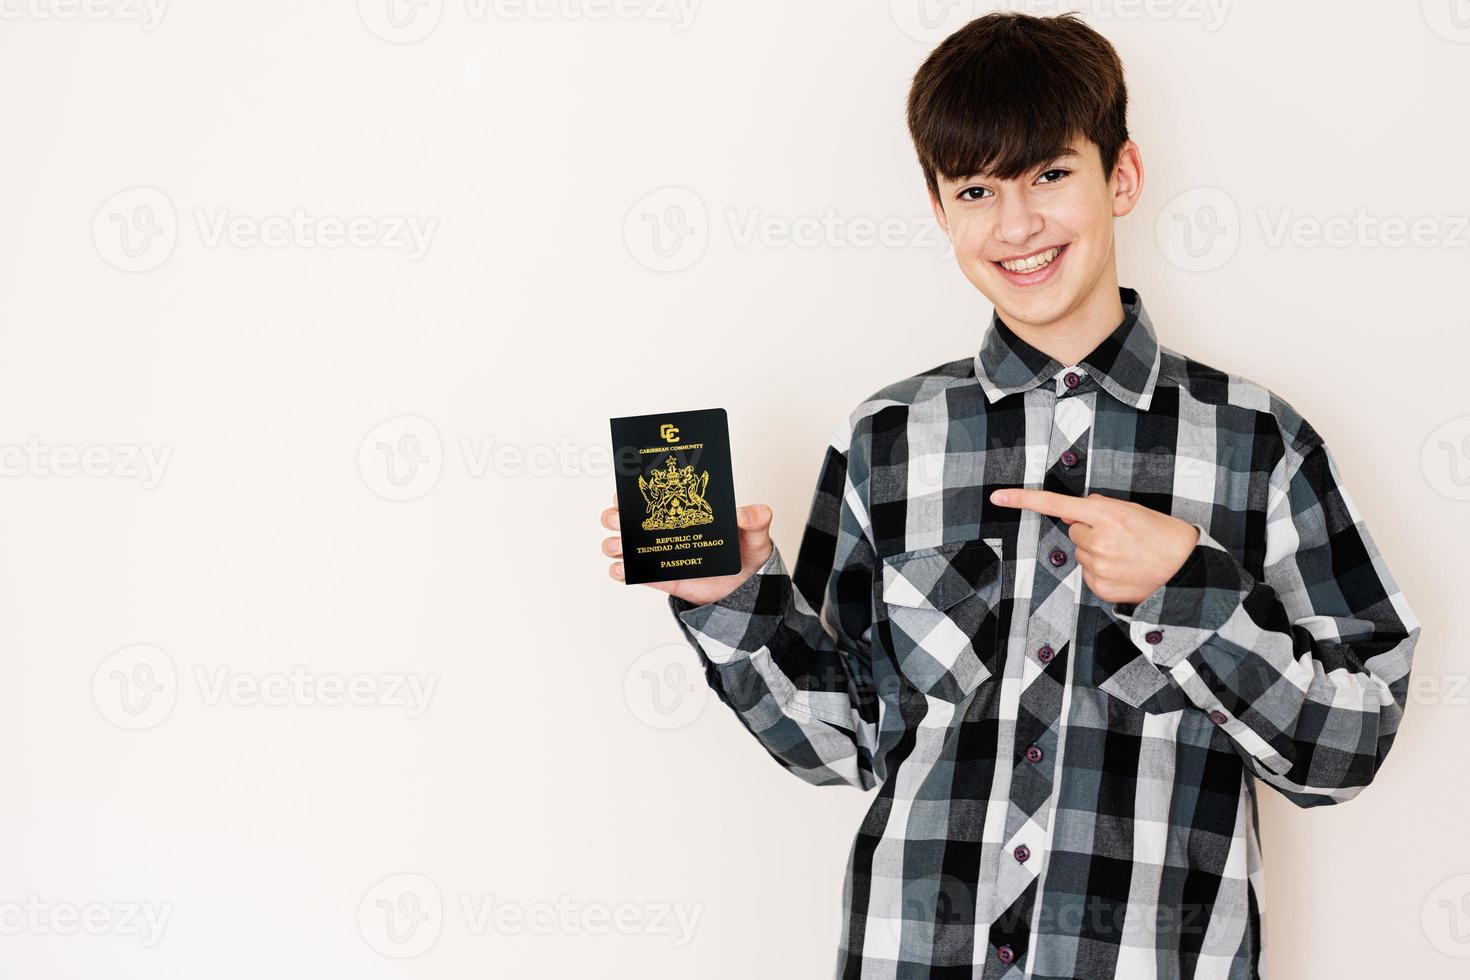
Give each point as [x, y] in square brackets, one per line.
[1066, 785]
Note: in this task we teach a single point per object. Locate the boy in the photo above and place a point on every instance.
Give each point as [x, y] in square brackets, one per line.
[1064, 601]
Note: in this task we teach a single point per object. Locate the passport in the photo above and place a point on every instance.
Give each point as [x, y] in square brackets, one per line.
[676, 496]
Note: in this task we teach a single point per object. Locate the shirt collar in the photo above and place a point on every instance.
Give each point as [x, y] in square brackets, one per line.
[1125, 363]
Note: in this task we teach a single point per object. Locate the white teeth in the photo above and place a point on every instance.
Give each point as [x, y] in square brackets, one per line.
[1034, 262]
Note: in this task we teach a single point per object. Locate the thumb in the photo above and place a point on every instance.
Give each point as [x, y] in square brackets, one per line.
[754, 521]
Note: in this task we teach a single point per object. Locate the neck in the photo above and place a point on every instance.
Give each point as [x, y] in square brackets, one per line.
[1076, 333]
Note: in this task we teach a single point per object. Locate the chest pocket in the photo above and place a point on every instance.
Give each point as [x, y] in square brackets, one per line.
[939, 609]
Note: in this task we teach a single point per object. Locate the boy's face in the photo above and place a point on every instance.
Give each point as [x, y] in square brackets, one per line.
[1041, 247]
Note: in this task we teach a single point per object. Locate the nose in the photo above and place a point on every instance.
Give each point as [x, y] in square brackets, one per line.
[1016, 221]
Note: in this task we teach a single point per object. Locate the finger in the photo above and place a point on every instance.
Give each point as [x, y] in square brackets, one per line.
[1084, 557]
[1084, 535]
[610, 519]
[612, 547]
[1089, 581]
[1062, 505]
[616, 570]
[753, 518]
[754, 525]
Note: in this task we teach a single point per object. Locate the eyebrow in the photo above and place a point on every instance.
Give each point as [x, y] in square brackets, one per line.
[1065, 154]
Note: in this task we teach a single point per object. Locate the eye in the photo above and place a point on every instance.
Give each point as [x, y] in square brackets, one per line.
[1060, 174]
[964, 195]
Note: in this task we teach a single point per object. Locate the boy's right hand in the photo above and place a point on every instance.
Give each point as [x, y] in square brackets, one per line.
[754, 521]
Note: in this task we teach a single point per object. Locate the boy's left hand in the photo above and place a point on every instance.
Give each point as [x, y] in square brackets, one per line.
[1125, 549]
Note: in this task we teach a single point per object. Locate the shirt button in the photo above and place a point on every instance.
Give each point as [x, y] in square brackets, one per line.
[1033, 754]
[1045, 654]
[1154, 636]
[1005, 954]
[1069, 458]
[1219, 717]
[1072, 379]
[1058, 557]
[1022, 852]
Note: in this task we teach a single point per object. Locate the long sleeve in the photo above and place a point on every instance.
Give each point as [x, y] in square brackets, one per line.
[1307, 668]
[791, 654]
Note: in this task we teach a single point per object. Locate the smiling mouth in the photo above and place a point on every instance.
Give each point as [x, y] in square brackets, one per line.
[1032, 263]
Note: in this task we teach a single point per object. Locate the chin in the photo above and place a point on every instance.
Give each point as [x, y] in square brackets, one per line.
[1035, 305]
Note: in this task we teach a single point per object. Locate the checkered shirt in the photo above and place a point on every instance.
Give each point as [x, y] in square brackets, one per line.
[1066, 787]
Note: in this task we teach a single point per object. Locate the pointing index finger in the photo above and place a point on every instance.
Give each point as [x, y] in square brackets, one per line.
[1062, 505]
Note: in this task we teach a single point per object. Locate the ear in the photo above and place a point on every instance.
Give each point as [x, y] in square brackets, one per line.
[939, 214]
[1127, 179]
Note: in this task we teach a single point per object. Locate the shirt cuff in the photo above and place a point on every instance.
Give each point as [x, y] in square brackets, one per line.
[1181, 615]
[745, 619]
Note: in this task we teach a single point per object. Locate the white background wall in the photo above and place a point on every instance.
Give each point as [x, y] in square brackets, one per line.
[171, 630]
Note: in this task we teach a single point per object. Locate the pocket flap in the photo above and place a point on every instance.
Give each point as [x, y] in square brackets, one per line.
[1123, 671]
[1136, 682]
[939, 577]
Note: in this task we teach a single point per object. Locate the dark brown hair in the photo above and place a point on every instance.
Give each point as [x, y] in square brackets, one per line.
[1007, 92]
